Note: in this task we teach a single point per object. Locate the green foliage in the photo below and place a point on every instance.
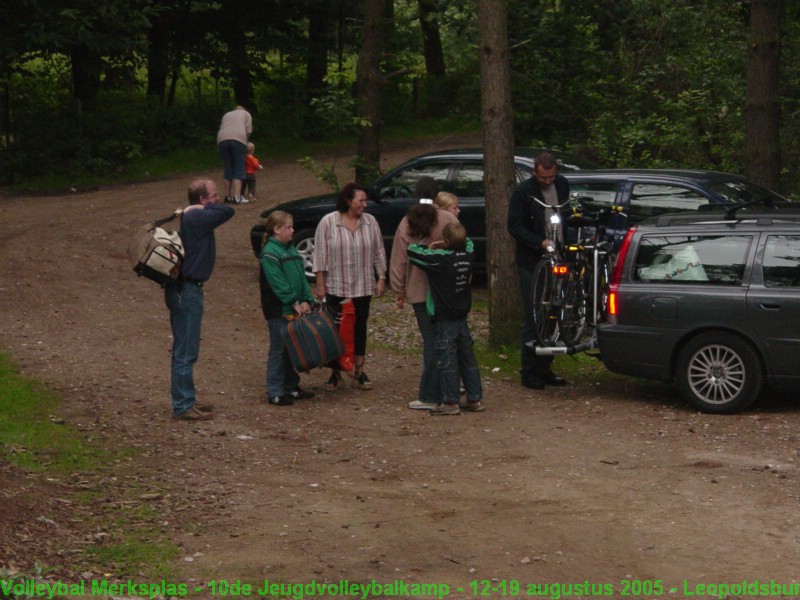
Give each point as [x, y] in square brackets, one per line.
[640, 83]
[324, 173]
[648, 83]
[337, 110]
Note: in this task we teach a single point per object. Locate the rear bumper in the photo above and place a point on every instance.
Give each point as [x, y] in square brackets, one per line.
[635, 352]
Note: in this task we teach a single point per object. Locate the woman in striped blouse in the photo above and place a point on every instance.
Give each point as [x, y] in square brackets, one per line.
[350, 262]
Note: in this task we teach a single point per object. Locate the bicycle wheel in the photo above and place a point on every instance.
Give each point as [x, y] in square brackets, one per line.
[546, 303]
[602, 290]
[572, 317]
[601, 305]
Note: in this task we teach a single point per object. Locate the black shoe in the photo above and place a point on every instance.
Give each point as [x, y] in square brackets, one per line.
[361, 382]
[551, 378]
[301, 394]
[334, 381]
[532, 383]
[280, 400]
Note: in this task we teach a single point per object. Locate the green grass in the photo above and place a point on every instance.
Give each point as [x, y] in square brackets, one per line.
[134, 555]
[35, 438]
[33, 434]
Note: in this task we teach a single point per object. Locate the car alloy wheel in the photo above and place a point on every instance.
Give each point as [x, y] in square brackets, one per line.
[304, 242]
[719, 372]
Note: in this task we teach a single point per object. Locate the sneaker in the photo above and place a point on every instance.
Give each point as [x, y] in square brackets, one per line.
[280, 400]
[420, 405]
[204, 406]
[193, 415]
[362, 382]
[334, 381]
[241, 200]
[301, 394]
[228, 199]
[472, 406]
[445, 410]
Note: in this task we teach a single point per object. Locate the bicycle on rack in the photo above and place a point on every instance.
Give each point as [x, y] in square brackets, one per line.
[547, 289]
[572, 279]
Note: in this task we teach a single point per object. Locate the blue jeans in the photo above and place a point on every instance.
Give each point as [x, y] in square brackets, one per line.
[282, 379]
[233, 154]
[532, 366]
[185, 303]
[456, 361]
[429, 389]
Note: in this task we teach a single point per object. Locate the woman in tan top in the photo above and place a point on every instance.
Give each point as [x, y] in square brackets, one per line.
[423, 223]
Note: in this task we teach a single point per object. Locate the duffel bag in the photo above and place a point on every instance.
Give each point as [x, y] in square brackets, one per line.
[312, 340]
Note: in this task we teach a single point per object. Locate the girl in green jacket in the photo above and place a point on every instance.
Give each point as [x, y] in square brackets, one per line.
[285, 294]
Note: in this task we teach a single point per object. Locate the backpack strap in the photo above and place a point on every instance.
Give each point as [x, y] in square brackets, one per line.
[160, 222]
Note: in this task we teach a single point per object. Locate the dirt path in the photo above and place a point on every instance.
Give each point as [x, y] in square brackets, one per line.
[600, 482]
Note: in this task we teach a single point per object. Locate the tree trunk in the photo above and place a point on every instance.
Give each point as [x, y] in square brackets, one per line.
[762, 109]
[431, 40]
[369, 80]
[86, 68]
[435, 92]
[505, 311]
[157, 66]
[317, 61]
[234, 34]
[316, 64]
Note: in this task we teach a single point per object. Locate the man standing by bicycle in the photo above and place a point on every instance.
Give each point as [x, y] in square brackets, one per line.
[528, 222]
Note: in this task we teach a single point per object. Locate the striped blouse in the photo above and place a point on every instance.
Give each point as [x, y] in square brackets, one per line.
[352, 260]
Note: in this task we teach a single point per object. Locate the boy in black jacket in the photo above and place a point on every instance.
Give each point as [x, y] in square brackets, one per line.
[449, 268]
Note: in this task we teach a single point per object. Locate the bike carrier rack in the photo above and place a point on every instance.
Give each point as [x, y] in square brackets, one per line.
[561, 349]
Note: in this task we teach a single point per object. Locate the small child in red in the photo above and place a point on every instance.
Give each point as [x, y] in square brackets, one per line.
[251, 165]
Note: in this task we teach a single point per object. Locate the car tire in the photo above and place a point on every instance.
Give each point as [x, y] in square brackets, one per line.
[304, 242]
[719, 372]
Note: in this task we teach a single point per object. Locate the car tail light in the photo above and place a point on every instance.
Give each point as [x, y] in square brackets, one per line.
[616, 272]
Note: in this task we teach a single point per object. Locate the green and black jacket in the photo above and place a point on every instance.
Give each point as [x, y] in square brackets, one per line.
[449, 273]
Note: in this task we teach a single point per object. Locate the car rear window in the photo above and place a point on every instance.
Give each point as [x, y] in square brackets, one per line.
[737, 192]
[599, 194]
[781, 264]
[470, 181]
[402, 184]
[708, 260]
[653, 199]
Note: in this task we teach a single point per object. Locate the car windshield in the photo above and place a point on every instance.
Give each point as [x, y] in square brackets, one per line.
[739, 192]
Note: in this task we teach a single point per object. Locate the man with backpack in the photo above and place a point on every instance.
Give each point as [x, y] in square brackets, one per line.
[184, 296]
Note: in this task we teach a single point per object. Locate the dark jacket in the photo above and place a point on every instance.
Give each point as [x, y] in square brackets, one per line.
[283, 279]
[197, 234]
[449, 273]
[526, 221]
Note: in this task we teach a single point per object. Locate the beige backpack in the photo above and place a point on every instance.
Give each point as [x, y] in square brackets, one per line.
[156, 252]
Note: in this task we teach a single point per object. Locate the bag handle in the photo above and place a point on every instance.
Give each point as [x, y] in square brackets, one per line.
[160, 222]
